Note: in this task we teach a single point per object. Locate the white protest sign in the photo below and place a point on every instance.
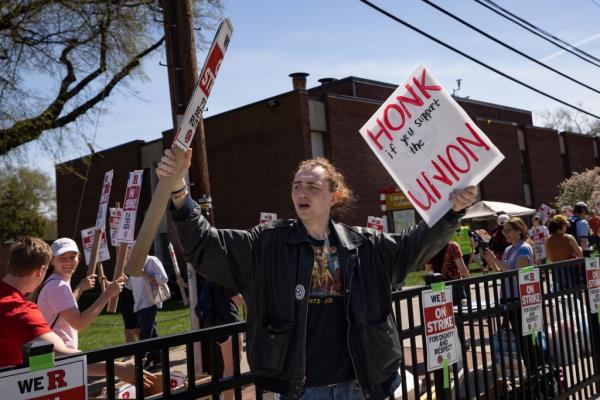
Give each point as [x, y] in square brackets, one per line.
[428, 144]
[592, 273]
[101, 217]
[193, 112]
[375, 223]
[87, 237]
[67, 380]
[113, 223]
[126, 230]
[546, 212]
[530, 291]
[266, 217]
[440, 333]
[538, 234]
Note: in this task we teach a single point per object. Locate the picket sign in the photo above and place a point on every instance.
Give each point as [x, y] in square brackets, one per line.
[178, 275]
[546, 212]
[66, 380]
[113, 223]
[375, 223]
[592, 273]
[440, 329]
[126, 230]
[102, 254]
[530, 293]
[192, 118]
[266, 217]
[100, 224]
[428, 144]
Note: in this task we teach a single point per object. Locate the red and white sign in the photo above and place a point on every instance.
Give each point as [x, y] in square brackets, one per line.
[113, 223]
[592, 273]
[428, 144]
[87, 237]
[546, 212]
[375, 223]
[106, 185]
[440, 332]
[530, 292]
[193, 112]
[266, 217]
[126, 230]
[67, 380]
[539, 234]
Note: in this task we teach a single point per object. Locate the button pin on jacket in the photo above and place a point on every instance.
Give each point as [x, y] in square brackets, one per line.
[300, 292]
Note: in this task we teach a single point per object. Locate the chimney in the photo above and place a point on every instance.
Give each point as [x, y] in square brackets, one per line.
[324, 81]
[299, 80]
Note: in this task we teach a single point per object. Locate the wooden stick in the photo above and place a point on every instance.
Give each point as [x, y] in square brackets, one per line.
[178, 275]
[119, 265]
[101, 278]
[95, 250]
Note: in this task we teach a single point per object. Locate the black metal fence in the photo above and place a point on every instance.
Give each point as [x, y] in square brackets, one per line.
[496, 361]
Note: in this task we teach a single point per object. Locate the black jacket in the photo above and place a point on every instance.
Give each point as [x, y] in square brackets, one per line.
[271, 265]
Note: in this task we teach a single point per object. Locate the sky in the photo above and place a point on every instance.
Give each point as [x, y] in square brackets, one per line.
[340, 38]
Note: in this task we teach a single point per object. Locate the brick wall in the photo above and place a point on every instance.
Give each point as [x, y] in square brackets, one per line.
[546, 163]
[580, 149]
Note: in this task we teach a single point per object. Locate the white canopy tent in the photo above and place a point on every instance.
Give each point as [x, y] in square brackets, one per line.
[490, 209]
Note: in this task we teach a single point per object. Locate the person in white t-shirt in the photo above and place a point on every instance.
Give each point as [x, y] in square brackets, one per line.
[153, 274]
[58, 302]
[539, 233]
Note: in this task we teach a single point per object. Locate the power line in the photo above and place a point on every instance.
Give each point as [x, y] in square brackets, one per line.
[438, 41]
[542, 33]
[448, 13]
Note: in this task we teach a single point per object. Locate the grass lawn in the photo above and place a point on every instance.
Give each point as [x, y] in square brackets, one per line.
[415, 278]
[107, 329]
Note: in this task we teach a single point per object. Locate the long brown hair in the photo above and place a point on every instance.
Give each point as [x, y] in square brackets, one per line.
[336, 180]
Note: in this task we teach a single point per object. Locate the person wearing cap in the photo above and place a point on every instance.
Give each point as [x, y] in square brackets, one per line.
[498, 242]
[21, 319]
[581, 228]
[58, 302]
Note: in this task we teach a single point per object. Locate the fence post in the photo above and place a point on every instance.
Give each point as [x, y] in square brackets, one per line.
[438, 375]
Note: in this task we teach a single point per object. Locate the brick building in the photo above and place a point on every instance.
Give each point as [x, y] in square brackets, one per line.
[253, 151]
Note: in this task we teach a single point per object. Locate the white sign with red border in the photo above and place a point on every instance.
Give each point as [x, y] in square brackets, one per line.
[592, 273]
[113, 223]
[546, 212]
[266, 217]
[375, 223]
[538, 234]
[126, 230]
[104, 196]
[428, 144]
[67, 380]
[87, 237]
[530, 292]
[440, 333]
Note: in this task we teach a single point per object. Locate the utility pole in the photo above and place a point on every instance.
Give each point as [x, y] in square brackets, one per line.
[183, 72]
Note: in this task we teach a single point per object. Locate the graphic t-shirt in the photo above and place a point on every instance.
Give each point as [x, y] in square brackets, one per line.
[327, 355]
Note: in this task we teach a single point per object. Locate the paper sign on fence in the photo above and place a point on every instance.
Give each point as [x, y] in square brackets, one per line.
[375, 223]
[530, 292]
[104, 196]
[592, 273]
[125, 233]
[67, 380]
[440, 333]
[266, 217]
[428, 144]
[87, 237]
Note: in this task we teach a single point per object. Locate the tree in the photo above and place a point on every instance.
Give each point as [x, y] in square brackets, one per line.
[86, 47]
[563, 119]
[27, 203]
[584, 186]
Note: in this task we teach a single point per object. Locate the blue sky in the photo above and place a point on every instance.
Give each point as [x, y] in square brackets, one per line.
[339, 38]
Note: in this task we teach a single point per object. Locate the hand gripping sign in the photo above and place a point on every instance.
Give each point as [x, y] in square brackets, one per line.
[440, 330]
[530, 291]
[428, 144]
[592, 273]
[185, 133]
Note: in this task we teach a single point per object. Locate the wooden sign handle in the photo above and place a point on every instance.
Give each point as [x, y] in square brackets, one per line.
[154, 214]
[101, 278]
[121, 255]
[95, 250]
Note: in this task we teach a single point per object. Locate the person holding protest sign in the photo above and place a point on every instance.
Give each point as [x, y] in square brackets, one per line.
[22, 321]
[320, 320]
[58, 303]
[539, 233]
